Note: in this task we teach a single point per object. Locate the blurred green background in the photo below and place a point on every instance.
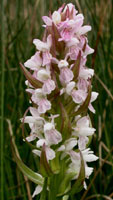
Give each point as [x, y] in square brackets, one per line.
[20, 23]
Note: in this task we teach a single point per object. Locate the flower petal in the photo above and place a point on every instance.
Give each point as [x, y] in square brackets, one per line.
[50, 153]
[38, 189]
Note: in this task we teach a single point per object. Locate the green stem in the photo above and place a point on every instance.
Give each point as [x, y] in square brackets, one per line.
[52, 188]
[2, 99]
[44, 191]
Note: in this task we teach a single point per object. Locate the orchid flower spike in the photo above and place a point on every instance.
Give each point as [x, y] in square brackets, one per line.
[60, 91]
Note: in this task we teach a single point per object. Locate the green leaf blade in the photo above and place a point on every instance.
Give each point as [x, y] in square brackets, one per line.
[31, 175]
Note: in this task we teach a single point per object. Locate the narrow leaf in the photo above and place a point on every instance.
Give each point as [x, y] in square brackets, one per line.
[33, 176]
[59, 45]
[65, 123]
[33, 81]
[65, 185]
[76, 67]
[45, 169]
[55, 164]
[44, 191]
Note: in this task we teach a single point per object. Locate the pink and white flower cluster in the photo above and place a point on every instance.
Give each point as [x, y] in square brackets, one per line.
[59, 65]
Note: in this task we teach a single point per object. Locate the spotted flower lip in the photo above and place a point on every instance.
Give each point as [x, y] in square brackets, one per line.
[35, 62]
[83, 127]
[73, 42]
[60, 90]
[66, 75]
[48, 84]
[50, 153]
[88, 157]
[43, 46]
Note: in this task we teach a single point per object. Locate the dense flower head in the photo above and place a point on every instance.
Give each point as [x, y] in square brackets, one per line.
[59, 84]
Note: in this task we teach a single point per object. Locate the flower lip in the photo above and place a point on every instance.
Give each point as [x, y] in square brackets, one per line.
[43, 46]
[70, 86]
[34, 62]
[38, 94]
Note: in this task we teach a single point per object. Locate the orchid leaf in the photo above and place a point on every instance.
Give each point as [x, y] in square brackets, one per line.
[66, 124]
[45, 169]
[65, 185]
[55, 164]
[76, 67]
[56, 35]
[78, 185]
[33, 81]
[56, 45]
[44, 191]
[31, 175]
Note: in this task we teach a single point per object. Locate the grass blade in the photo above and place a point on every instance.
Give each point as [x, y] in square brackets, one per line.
[2, 99]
